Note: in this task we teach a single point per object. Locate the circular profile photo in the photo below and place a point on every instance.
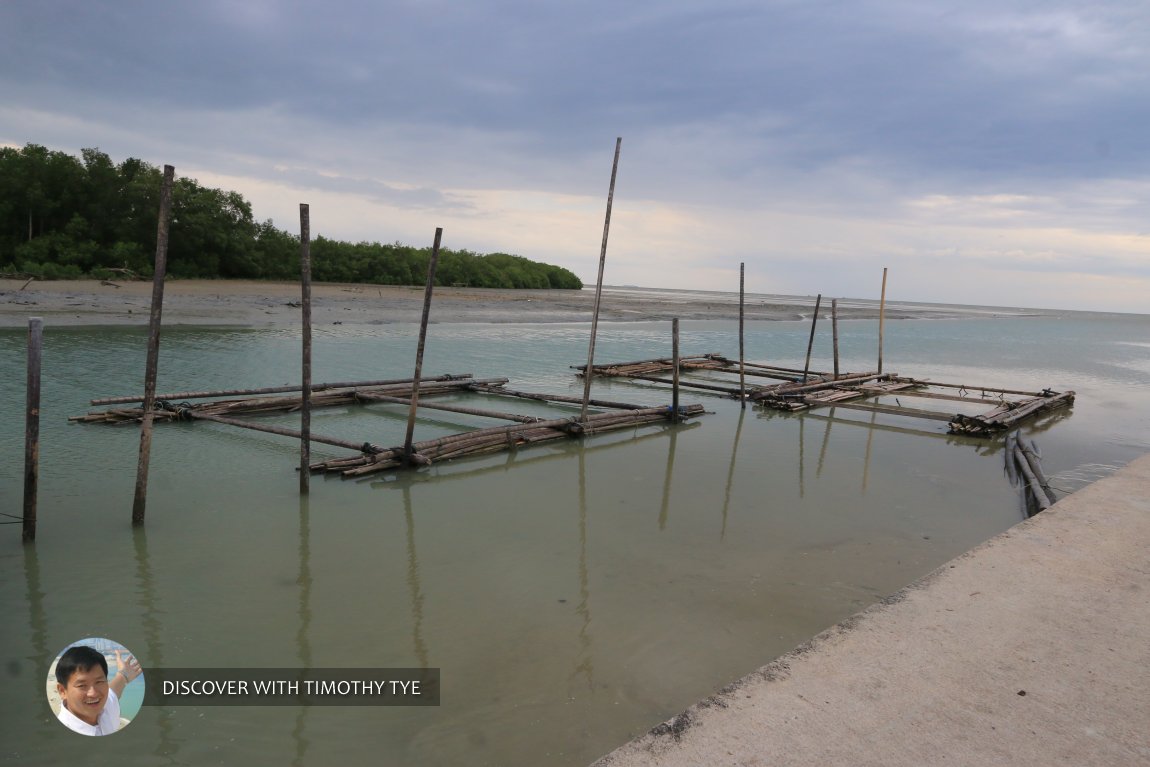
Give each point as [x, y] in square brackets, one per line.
[95, 686]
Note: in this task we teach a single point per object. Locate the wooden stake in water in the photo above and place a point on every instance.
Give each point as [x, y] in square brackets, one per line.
[139, 503]
[835, 333]
[431, 264]
[32, 427]
[881, 316]
[305, 302]
[811, 342]
[675, 376]
[589, 371]
[742, 356]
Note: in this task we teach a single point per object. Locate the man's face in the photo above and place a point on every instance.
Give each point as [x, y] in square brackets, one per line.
[85, 693]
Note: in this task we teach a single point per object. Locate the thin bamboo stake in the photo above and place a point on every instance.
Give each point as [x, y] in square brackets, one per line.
[431, 264]
[811, 342]
[835, 332]
[589, 371]
[139, 503]
[881, 317]
[305, 282]
[742, 354]
[675, 376]
[32, 427]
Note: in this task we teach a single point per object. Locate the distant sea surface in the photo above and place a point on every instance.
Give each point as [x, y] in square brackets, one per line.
[574, 595]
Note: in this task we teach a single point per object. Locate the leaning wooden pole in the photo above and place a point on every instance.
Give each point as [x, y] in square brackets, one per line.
[305, 302]
[590, 369]
[742, 355]
[139, 504]
[811, 342]
[835, 333]
[431, 264]
[881, 317]
[675, 376]
[32, 427]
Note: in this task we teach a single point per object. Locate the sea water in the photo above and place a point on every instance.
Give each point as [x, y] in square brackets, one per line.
[574, 594]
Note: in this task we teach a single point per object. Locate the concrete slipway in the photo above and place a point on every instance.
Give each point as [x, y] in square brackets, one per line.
[1032, 649]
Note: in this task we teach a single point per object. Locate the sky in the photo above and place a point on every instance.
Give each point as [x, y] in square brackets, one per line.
[992, 152]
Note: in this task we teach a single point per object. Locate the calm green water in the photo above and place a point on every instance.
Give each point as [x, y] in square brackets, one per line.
[574, 595]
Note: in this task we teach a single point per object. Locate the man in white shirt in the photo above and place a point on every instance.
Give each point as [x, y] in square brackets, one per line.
[89, 703]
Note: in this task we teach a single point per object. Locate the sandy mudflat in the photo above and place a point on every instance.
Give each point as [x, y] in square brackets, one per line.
[253, 303]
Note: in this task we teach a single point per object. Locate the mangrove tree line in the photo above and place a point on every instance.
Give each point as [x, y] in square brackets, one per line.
[65, 217]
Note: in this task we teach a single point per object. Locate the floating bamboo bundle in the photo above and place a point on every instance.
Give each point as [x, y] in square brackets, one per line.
[497, 439]
[1009, 414]
[1029, 473]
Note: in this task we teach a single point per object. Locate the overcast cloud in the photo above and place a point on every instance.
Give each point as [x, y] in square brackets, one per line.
[987, 151]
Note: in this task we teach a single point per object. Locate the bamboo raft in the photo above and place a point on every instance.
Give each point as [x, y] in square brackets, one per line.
[800, 390]
[655, 370]
[373, 458]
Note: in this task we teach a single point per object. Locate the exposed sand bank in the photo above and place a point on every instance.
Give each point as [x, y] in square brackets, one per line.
[255, 303]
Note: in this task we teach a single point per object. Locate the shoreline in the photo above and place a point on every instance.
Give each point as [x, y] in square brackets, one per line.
[253, 303]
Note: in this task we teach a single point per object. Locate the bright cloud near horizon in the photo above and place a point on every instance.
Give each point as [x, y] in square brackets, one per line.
[986, 151]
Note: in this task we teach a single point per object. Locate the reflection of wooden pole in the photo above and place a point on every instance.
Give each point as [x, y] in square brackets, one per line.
[431, 264]
[139, 504]
[742, 356]
[675, 376]
[835, 332]
[811, 342]
[881, 316]
[590, 370]
[32, 427]
[305, 410]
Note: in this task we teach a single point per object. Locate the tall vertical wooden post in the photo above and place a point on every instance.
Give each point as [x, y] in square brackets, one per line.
[675, 375]
[742, 356]
[589, 371]
[881, 316]
[139, 504]
[811, 342]
[32, 427]
[835, 332]
[305, 302]
[431, 264]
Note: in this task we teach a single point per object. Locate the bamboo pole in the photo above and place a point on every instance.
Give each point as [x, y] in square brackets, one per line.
[139, 503]
[1031, 480]
[811, 342]
[589, 371]
[32, 427]
[742, 354]
[675, 376]
[363, 447]
[277, 389]
[431, 264]
[881, 317]
[305, 282]
[502, 392]
[452, 408]
[835, 333]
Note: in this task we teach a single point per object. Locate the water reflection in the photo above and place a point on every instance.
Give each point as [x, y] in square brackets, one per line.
[731, 471]
[667, 480]
[303, 641]
[418, 645]
[583, 664]
[169, 744]
[36, 618]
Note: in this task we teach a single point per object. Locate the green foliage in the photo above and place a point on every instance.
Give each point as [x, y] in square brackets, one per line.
[63, 217]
